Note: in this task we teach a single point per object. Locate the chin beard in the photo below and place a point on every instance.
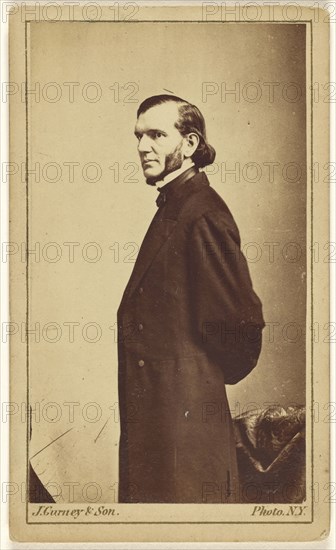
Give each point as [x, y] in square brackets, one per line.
[152, 181]
[173, 162]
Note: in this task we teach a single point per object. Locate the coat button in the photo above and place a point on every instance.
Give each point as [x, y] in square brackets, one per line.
[141, 363]
[140, 327]
[140, 290]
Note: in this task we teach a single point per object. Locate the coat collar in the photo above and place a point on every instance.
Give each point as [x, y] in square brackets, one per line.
[177, 192]
[163, 225]
[168, 190]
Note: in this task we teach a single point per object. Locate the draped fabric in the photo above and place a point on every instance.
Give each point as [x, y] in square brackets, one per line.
[271, 454]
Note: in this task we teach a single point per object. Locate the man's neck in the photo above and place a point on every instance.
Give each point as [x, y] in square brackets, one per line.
[187, 163]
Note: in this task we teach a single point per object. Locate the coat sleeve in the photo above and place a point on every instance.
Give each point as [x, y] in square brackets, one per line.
[226, 313]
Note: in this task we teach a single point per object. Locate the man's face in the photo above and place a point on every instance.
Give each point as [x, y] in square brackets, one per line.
[160, 143]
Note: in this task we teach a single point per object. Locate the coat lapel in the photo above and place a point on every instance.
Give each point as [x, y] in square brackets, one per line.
[158, 233]
[160, 230]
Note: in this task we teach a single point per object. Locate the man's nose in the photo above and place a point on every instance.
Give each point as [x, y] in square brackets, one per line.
[144, 145]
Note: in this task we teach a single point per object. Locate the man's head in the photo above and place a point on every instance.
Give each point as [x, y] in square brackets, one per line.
[170, 130]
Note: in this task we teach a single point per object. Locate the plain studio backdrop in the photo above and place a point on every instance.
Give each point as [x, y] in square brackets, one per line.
[89, 209]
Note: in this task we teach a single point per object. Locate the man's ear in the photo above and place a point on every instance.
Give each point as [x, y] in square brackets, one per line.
[191, 142]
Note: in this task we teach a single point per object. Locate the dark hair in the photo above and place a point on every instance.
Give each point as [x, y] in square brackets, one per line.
[190, 120]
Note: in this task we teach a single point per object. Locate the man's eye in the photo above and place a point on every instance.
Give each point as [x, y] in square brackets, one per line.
[158, 135]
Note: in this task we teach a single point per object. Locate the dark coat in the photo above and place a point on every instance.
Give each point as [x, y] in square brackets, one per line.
[189, 323]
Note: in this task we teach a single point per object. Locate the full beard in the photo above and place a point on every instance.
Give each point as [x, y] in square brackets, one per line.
[173, 162]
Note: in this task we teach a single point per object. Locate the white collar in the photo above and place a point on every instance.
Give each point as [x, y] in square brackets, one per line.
[186, 164]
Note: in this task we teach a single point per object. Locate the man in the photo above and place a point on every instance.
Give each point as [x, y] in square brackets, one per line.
[189, 323]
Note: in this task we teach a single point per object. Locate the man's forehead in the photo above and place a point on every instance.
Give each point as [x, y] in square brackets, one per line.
[164, 115]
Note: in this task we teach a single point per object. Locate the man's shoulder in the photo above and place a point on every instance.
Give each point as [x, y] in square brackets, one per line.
[203, 200]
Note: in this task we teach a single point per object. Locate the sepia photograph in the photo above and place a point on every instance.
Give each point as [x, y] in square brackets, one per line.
[166, 236]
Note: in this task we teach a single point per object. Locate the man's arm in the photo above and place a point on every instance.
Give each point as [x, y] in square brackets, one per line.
[227, 314]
